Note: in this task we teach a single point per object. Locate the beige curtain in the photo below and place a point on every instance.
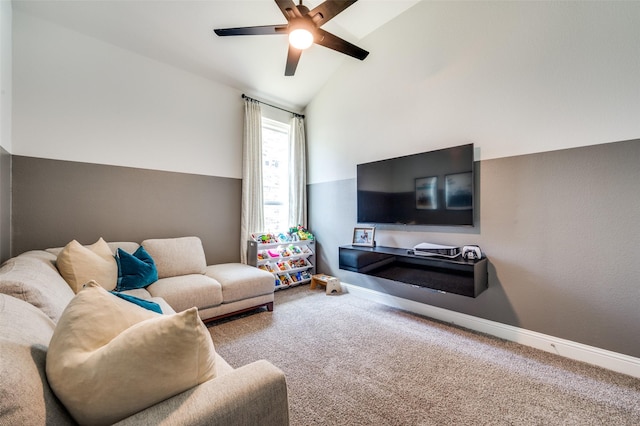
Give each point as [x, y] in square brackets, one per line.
[252, 219]
[298, 174]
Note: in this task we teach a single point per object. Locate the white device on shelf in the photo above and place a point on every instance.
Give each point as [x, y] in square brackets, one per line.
[429, 249]
[471, 252]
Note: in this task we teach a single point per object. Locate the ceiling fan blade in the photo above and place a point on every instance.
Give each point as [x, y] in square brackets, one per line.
[288, 9]
[331, 41]
[293, 57]
[324, 12]
[261, 30]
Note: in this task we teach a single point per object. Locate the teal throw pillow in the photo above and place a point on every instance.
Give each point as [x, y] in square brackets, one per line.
[147, 304]
[136, 270]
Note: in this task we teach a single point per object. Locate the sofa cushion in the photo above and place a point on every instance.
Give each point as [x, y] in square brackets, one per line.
[166, 308]
[144, 303]
[144, 294]
[25, 395]
[177, 256]
[33, 277]
[80, 264]
[127, 246]
[186, 291]
[240, 281]
[106, 364]
[136, 270]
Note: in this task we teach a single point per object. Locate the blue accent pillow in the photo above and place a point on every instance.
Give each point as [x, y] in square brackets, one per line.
[147, 304]
[136, 270]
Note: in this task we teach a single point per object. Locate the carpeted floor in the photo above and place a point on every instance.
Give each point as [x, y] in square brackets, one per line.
[349, 361]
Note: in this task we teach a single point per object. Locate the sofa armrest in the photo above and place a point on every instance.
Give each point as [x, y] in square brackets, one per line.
[252, 394]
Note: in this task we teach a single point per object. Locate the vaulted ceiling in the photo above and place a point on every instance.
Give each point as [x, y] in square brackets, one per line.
[180, 33]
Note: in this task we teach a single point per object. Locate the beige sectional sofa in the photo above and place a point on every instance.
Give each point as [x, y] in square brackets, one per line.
[33, 298]
[185, 280]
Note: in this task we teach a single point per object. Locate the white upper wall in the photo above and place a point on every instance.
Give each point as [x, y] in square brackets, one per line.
[79, 99]
[511, 77]
[5, 75]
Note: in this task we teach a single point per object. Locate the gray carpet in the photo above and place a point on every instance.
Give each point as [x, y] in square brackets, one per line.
[349, 361]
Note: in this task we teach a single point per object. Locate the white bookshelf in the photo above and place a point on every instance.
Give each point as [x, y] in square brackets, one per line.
[291, 262]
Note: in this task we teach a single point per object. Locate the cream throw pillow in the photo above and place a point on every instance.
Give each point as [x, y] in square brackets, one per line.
[80, 264]
[109, 358]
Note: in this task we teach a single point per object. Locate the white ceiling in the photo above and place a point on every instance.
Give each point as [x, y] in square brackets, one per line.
[180, 33]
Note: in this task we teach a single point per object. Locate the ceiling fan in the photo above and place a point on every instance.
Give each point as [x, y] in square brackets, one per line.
[303, 27]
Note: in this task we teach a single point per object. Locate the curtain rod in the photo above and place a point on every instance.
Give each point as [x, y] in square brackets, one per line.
[273, 106]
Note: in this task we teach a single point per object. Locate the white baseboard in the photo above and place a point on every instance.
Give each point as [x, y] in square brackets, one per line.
[603, 358]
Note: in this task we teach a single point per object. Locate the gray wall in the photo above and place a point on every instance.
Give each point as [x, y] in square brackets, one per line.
[5, 205]
[560, 230]
[56, 201]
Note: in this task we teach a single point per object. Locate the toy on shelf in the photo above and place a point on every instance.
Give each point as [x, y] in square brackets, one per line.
[296, 233]
[264, 238]
[267, 267]
[283, 266]
[295, 250]
[285, 279]
[273, 253]
[298, 263]
[301, 232]
[284, 252]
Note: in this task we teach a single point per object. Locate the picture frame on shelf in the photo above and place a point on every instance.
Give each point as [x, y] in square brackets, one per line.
[364, 236]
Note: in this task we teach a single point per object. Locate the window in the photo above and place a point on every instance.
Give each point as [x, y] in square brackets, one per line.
[275, 174]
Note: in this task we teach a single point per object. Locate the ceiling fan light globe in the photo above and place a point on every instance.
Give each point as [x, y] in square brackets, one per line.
[300, 38]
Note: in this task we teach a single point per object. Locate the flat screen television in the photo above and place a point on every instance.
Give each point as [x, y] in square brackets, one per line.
[430, 188]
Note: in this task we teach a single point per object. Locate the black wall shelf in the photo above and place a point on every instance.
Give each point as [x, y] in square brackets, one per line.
[458, 276]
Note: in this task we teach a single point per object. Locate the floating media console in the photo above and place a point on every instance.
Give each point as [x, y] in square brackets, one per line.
[459, 276]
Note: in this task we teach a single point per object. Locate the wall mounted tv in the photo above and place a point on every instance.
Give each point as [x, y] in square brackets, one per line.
[431, 188]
